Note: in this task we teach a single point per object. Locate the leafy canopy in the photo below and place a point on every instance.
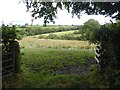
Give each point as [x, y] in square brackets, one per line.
[92, 25]
[49, 10]
[88, 28]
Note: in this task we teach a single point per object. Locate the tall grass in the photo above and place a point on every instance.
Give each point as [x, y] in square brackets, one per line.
[31, 42]
[41, 67]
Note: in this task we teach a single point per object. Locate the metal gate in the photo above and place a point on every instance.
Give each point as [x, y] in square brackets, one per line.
[7, 62]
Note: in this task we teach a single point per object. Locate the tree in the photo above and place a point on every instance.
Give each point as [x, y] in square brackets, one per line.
[88, 28]
[48, 10]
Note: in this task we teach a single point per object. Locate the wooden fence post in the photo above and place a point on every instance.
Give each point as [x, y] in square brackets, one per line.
[17, 57]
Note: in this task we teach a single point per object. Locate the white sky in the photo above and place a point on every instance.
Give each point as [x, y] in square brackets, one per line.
[10, 11]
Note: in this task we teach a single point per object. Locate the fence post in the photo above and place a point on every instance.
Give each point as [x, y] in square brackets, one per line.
[17, 57]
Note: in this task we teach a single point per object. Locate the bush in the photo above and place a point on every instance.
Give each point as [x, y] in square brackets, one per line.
[42, 37]
[68, 37]
[22, 32]
[19, 37]
[78, 38]
[9, 34]
[108, 51]
[76, 32]
[52, 36]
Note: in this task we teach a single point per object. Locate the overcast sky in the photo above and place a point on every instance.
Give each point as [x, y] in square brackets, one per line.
[13, 11]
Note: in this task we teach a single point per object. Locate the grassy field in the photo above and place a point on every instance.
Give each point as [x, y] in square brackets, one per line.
[47, 63]
[60, 33]
[64, 35]
[32, 42]
[46, 67]
[52, 26]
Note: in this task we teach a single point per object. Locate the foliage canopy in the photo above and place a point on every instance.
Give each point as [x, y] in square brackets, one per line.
[48, 10]
[88, 28]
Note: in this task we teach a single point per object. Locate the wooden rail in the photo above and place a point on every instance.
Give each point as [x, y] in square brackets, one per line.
[8, 62]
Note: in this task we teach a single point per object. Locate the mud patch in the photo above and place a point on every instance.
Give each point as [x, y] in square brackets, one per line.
[77, 70]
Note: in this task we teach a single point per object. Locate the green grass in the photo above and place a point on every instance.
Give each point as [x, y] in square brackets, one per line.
[60, 33]
[31, 42]
[47, 63]
[60, 57]
[66, 66]
[97, 79]
[18, 28]
[53, 26]
[64, 35]
[40, 65]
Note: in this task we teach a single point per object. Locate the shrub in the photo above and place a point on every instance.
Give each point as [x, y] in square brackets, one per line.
[42, 37]
[19, 37]
[76, 32]
[52, 36]
[108, 51]
[68, 37]
[9, 34]
[78, 38]
[22, 32]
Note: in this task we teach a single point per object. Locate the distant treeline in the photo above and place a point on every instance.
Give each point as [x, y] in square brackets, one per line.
[36, 30]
